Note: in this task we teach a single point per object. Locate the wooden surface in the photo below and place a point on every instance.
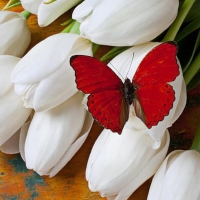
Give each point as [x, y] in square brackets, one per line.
[16, 182]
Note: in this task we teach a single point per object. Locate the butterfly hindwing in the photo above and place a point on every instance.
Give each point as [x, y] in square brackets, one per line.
[156, 102]
[106, 100]
[155, 95]
[109, 109]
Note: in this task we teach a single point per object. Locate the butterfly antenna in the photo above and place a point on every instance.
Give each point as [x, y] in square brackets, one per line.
[130, 65]
[117, 71]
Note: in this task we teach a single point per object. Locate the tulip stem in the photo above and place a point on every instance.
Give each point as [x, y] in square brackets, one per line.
[94, 48]
[192, 70]
[113, 52]
[25, 14]
[174, 28]
[196, 141]
[68, 28]
[75, 28]
[11, 4]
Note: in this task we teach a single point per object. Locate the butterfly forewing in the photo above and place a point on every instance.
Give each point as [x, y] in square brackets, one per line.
[106, 100]
[155, 95]
[93, 75]
[158, 66]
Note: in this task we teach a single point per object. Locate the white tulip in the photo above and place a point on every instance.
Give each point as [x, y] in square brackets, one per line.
[126, 65]
[55, 136]
[124, 23]
[13, 114]
[177, 178]
[44, 77]
[14, 33]
[48, 10]
[119, 164]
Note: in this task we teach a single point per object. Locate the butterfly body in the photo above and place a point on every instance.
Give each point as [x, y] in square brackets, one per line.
[110, 98]
[129, 91]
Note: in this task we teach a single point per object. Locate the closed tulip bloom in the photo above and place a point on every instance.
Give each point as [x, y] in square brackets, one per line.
[55, 136]
[44, 77]
[47, 10]
[14, 33]
[177, 178]
[126, 23]
[127, 63]
[13, 114]
[119, 164]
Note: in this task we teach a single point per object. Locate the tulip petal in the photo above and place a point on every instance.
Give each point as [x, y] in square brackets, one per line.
[46, 142]
[33, 68]
[16, 108]
[161, 172]
[66, 86]
[181, 103]
[7, 64]
[74, 147]
[22, 138]
[43, 77]
[110, 172]
[46, 11]
[11, 146]
[145, 173]
[127, 23]
[31, 5]
[180, 170]
[13, 28]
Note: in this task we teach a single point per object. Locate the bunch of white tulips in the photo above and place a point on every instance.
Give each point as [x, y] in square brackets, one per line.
[39, 92]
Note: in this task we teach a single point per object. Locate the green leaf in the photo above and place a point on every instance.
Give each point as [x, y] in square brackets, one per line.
[68, 28]
[66, 23]
[192, 70]
[194, 25]
[197, 43]
[113, 52]
[181, 2]
[194, 11]
[186, 48]
[196, 141]
[11, 4]
[194, 82]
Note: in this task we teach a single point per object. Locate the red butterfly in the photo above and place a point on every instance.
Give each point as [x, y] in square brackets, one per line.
[110, 98]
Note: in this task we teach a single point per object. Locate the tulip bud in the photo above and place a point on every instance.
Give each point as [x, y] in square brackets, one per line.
[55, 136]
[48, 10]
[14, 33]
[124, 23]
[13, 114]
[119, 164]
[44, 77]
[126, 65]
[177, 178]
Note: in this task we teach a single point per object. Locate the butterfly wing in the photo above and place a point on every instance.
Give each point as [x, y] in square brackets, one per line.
[154, 93]
[109, 108]
[93, 75]
[106, 100]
